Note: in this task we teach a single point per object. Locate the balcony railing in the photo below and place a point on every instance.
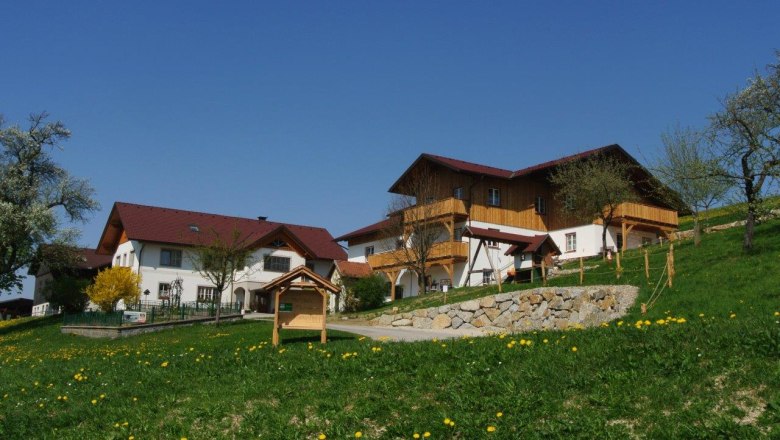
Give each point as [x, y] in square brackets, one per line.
[655, 214]
[432, 210]
[444, 250]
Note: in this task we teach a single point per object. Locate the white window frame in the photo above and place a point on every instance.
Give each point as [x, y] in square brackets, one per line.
[571, 242]
[494, 197]
[458, 193]
[271, 263]
[206, 293]
[164, 290]
[369, 250]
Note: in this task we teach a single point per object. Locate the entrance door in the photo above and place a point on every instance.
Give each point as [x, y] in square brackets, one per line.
[264, 302]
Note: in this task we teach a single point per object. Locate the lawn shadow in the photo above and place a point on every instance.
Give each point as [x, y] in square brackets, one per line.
[312, 339]
[31, 324]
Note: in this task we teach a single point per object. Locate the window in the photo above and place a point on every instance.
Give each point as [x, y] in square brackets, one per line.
[492, 243]
[278, 243]
[540, 205]
[458, 193]
[206, 294]
[164, 291]
[369, 251]
[117, 260]
[310, 265]
[569, 203]
[276, 264]
[571, 242]
[487, 276]
[399, 244]
[170, 257]
[131, 259]
[124, 259]
[494, 197]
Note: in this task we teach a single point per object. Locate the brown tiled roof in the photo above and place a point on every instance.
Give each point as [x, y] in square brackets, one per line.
[570, 158]
[174, 226]
[534, 244]
[469, 167]
[490, 234]
[370, 229]
[351, 269]
[90, 259]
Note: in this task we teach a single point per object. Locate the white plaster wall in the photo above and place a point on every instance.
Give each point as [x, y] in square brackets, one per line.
[357, 253]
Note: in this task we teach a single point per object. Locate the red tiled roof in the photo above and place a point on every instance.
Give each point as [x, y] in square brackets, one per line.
[503, 237]
[351, 269]
[469, 167]
[533, 245]
[570, 158]
[375, 227]
[90, 259]
[174, 226]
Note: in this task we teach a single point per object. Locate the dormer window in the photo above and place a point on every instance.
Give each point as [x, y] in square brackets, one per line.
[194, 228]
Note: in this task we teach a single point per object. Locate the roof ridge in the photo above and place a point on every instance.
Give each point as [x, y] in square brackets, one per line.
[436, 156]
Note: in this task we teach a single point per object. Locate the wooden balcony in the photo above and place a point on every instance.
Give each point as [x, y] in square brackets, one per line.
[443, 251]
[647, 213]
[434, 210]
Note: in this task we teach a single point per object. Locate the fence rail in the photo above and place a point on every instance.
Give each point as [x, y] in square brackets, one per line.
[156, 311]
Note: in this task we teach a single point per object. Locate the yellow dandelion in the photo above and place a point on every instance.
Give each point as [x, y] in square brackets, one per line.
[415, 435]
[733, 315]
[94, 401]
[499, 414]
[491, 429]
[574, 349]
[358, 434]
[322, 436]
[164, 364]
[426, 434]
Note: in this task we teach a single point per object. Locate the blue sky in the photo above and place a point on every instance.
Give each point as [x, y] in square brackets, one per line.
[308, 111]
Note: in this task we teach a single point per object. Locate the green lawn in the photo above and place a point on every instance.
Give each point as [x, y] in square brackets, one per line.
[710, 376]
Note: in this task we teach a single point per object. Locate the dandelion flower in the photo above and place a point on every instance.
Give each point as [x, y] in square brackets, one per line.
[426, 434]
[415, 435]
[447, 421]
[491, 429]
[358, 434]
[164, 364]
[574, 349]
[499, 414]
[94, 401]
[322, 436]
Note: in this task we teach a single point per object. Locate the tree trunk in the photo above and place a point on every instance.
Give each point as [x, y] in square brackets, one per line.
[696, 231]
[750, 222]
[218, 301]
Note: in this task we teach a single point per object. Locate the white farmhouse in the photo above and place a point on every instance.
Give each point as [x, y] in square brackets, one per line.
[157, 242]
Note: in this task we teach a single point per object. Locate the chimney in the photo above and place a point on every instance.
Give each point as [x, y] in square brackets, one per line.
[262, 218]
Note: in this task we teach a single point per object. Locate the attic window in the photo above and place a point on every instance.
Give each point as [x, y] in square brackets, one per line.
[194, 228]
[278, 243]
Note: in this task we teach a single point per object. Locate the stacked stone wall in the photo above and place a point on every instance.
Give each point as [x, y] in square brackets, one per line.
[533, 309]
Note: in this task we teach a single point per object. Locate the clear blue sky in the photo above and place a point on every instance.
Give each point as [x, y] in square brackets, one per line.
[307, 111]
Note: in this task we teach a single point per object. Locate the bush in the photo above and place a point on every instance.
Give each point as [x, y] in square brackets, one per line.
[369, 292]
[67, 292]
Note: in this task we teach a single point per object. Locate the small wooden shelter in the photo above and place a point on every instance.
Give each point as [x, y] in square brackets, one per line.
[301, 301]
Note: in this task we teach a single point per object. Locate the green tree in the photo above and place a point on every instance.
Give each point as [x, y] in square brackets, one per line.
[747, 138]
[694, 177]
[68, 292]
[35, 192]
[113, 285]
[222, 261]
[594, 188]
[370, 291]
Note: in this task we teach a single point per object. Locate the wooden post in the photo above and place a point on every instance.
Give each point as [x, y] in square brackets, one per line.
[496, 273]
[669, 268]
[618, 269]
[624, 234]
[644, 308]
[544, 273]
[275, 339]
[647, 267]
[323, 333]
[582, 271]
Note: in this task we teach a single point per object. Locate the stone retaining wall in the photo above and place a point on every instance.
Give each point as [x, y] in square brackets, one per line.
[533, 309]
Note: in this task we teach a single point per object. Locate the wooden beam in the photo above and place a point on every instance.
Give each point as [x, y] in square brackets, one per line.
[473, 261]
[496, 273]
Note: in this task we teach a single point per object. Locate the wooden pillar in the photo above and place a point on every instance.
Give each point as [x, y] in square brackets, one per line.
[393, 277]
[496, 273]
[618, 269]
[624, 233]
[323, 332]
[275, 339]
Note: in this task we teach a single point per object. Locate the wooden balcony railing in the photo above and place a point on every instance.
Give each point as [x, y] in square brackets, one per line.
[654, 214]
[439, 208]
[456, 250]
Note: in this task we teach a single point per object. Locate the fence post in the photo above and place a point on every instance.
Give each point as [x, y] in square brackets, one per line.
[544, 274]
[669, 269]
[618, 269]
[582, 271]
[151, 320]
[647, 267]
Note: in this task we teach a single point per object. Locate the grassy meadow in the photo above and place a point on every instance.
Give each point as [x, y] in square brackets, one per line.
[703, 363]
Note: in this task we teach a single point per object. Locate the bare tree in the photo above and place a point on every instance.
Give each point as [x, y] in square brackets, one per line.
[694, 177]
[747, 138]
[413, 230]
[220, 259]
[594, 188]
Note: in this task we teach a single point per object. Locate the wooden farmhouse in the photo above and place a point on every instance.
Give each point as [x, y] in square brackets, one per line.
[497, 224]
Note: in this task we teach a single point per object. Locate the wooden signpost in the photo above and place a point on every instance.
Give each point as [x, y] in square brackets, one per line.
[301, 301]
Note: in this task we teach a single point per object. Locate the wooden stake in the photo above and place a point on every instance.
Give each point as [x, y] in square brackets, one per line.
[669, 268]
[618, 269]
[647, 267]
[544, 273]
[644, 308]
[582, 271]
